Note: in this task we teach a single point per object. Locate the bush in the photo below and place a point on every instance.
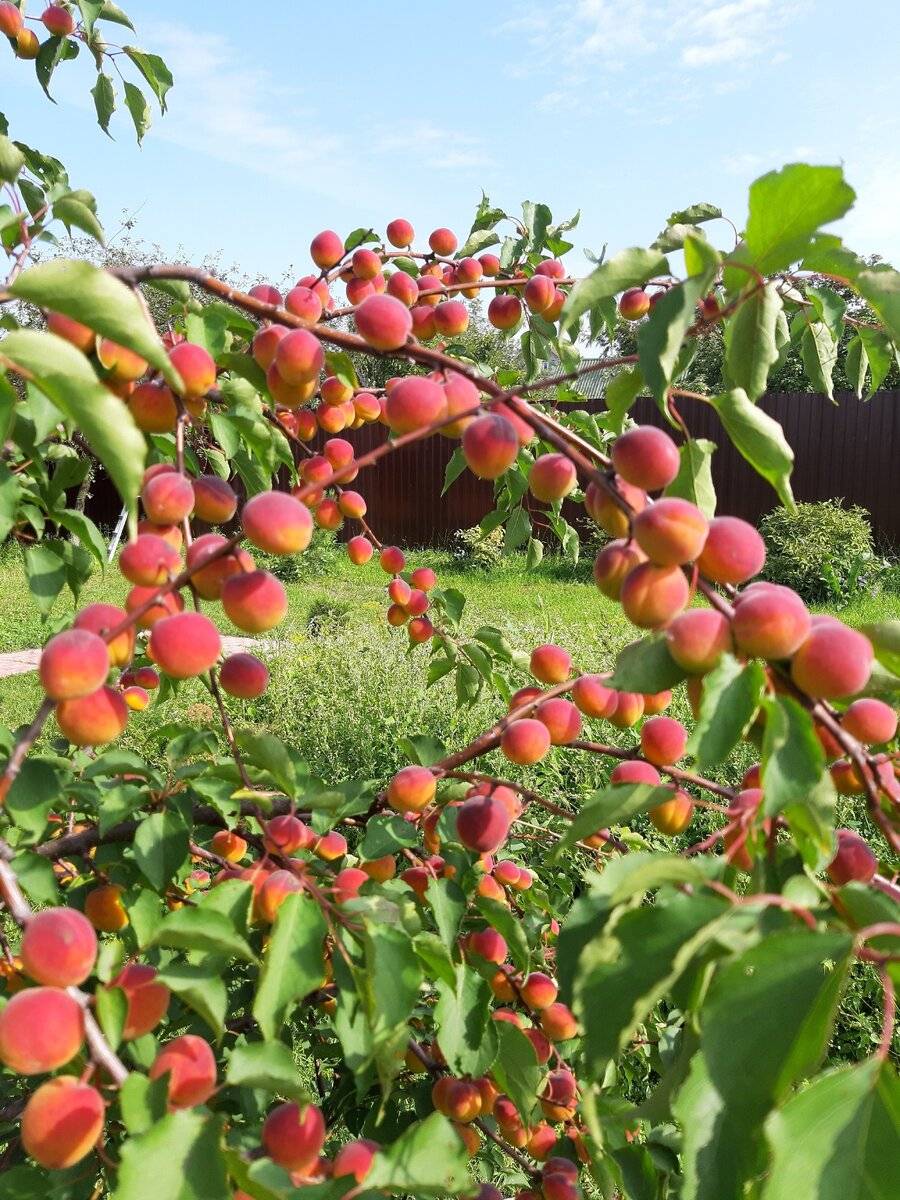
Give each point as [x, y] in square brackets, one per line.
[823, 550]
[318, 559]
[477, 549]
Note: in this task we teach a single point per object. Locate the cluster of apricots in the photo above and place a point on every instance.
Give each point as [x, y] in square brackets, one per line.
[56, 19]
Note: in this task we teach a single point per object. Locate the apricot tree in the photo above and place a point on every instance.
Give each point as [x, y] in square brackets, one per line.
[226, 977]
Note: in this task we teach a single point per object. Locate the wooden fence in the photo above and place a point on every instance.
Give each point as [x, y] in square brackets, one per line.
[848, 450]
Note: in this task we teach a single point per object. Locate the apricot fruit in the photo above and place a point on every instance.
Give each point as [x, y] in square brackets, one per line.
[550, 663]
[832, 662]
[628, 710]
[551, 478]
[104, 909]
[354, 1159]
[653, 595]
[189, 1063]
[65, 327]
[634, 771]
[299, 357]
[326, 249]
[538, 990]
[414, 403]
[185, 645]
[229, 845]
[733, 551]
[606, 512]
[147, 999]
[63, 1120]
[646, 457]
[210, 568]
[277, 523]
[613, 564]
[149, 561]
[214, 500]
[870, 721]
[244, 676]
[59, 947]
[293, 1136]
[487, 944]
[443, 242]
[73, 664]
[663, 741]
[412, 789]
[451, 318]
[562, 719]
[671, 531]
[593, 697]
[634, 304]
[558, 1022]
[505, 312]
[853, 861]
[673, 816]
[400, 233]
[254, 601]
[458, 1099]
[167, 498]
[525, 741]
[539, 293]
[482, 824]
[360, 550]
[770, 622]
[384, 322]
[698, 638]
[93, 720]
[41, 1028]
[196, 367]
[11, 22]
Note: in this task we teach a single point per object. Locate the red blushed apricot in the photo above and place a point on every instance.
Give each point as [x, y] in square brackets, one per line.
[656, 702]
[273, 893]
[354, 1159]
[652, 596]
[603, 509]
[646, 457]
[255, 601]
[550, 663]
[93, 720]
[733, 551]
[384, 322]
[538, 990]
[832, 662]
[244, 676]
[463, 401]
[326, 249]
[59, 947]
[412, 789]
[189, 1063]
[392, 559]
[380, 869]
[458, 1099]
[41, 1029]
[634, 771]
[870, 721]
[505, 312]
[340, 454]
[153, 408]
[185, 645]
[490, 264]
[554, 312]
[287, 834]
[414, 403]
[404, 288]
[628, 710]
[671, 531]
[562, 719]
[168, 498]
[267, 292]
[487, 944]
[698, 638]
[147, 999]
[136, 699]
[293, 1136]
[347, 884]
[451, 318]
[277, 523]
[27, 45]
[209, 579]
[525, 695]
[482, 824]
[73, 332]
[551, 478]
[196, 367]
[423, 578]
[397, 615]
[365, 263]
[525, 741]
[169, 533]
[770, 622]
[299, 357]
[123, 365]
[265, 344]
[443, 242]
[558, 1022]
[359, 550]
[289, 395]
[524, 431]
[634, 304]
[400, 233]
[62, 1121]
[73, 663]
[673, 816]
[663, 740]
[539, 293]
[229, 845]
[613, 563]
[593, 697]
[214, 500]
[423, 326]
[149, 561]
[303, 303]
[854, 861]
[104, 909]
[328, 514]
[58, 20]
[552, 268]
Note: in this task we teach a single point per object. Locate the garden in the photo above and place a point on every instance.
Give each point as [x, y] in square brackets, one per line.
[558, 859]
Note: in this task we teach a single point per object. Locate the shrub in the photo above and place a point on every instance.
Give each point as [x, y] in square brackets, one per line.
[823, 550]
[477, 549]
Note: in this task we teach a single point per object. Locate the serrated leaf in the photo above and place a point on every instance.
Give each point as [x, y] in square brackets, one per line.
[201, 989]
[646, 666]
[793, 760]
[428, 1159]
[732, 693]
[628, 269]
[609, 806]
[694, 480]
[104, 100]
[293, 965]
[759, 439]
[818, 351]
[478, 240]
[751, 344]
[465, 1028]
[453, 469]
[621, 392]
[787, 207]
[516, 1068]
[141, 113]
[154, 70]
[161, 847]
[181, 1154]
[266, 1065]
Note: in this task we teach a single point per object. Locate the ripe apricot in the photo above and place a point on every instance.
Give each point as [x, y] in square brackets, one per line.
[229, 845]
[331, 846]
[525, 741]
[305, 304]
[65, 327]
[274, 891]
[149, 560]
[653, 595]
[550, 663]
[214, 500]
[210, 568]
[380, 869]
[451, 318]
[185, 645]
[482, 824]
[458, 1099]
[27, 45]
[59, 947]
[74, 663]
[551, 478]
[412, 789]
[670, 531]
[63, 1120]
[147, 999]
[733, 551]
[505, 312]
[93, 720]
[487, 944]
[603, 508]
[673, 816]
[326, 249]
[628, 710]
[833, 661]
[538, 990]
[853, 860]
[663, 740]
[355, 1159]
[299, 356]
[613, 563]
[254, 601]
[769, 622]
[414, 403]
[277, 523]
[870, 721]
[634, 771]
[558, 1022]
[490, 446]
[293, 1136]
[167, 498]
[400, 233]
[104, 909]
[191, 1067]
[384, 322]
[287, 834]
[244, 676]
[634, 304]
[593, 697]
[41, 1028]
[698, 638]
[443, 242]
[562, 719]
[646, 457]
[539, 293]
[196, 367]
[360, 550]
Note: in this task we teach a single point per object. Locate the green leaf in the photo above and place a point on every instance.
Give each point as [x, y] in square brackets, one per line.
[660, 337]
[427, 1160]
[161, 847]
[838, 1139]
[731, 697]
[45, 570]
[112, 12]
[143, 1102]
[100, 301]
[628, 969]
[534, 554]
[71, 211]
[465, 1029]
[294, 962]
[759, 439]
[477, 241]
[628, 269]
[878, 352]
[882, 290]
[516, 1068]
[90, 10]
[178, 1158]
[201, 988]
[10, 492]
[154, 70]
[341, 364]
[856, 365]
[141, 113]
[787, 207]
[104, 100]
[32, 796]
[204, 929]
[646, 666]
[518, 530]
[12, 160]
[621, 392]
[266, 1065]
[818, 351]
[52, 52]
[606, 807]
[751, 346]
[387, 835]
[768, 1018]
[885, 639]
[448, 904]
[86, 532]
[694, 480]
[111, 1008]
[793, 760]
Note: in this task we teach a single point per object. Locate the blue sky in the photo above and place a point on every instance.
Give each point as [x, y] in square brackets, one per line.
[293, 116]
